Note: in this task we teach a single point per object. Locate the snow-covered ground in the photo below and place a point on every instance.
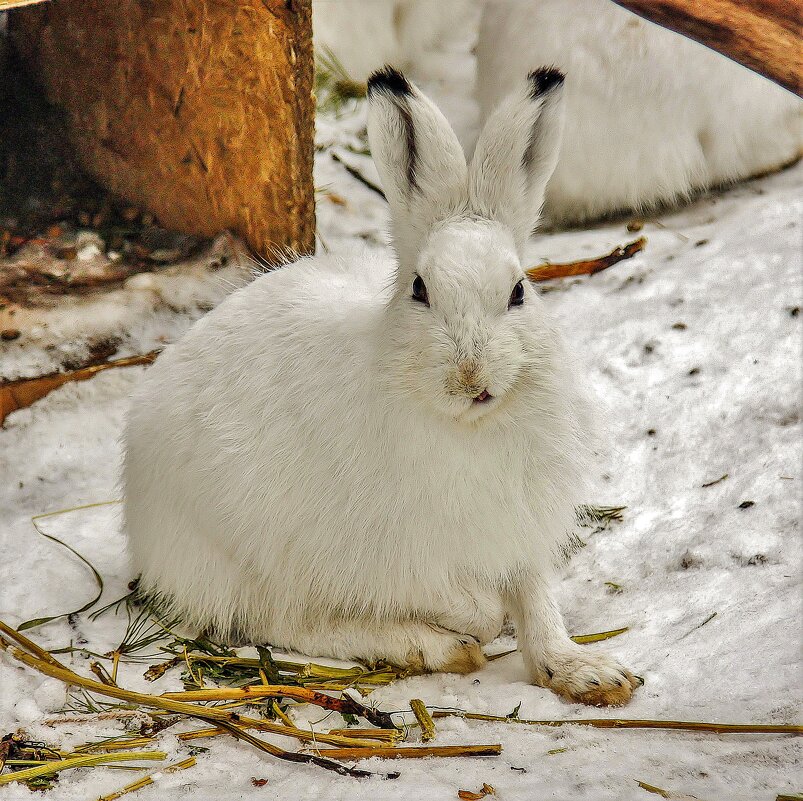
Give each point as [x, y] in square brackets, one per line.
[695, 347]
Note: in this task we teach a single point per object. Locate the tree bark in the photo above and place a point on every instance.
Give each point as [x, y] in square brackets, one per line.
[200, 111]
[764, 35]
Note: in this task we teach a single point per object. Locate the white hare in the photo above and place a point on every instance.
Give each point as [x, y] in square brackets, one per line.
[651, 117]
[364, 459]
[421, 35]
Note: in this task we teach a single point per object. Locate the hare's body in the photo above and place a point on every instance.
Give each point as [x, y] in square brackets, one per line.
[359, 458]
[362, 505]
[419, 35]
[651, 116]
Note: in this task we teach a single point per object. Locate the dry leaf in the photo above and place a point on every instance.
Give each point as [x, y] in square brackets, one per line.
[467, 795]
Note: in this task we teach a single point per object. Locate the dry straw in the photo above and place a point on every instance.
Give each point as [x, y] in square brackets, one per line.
[262, 683]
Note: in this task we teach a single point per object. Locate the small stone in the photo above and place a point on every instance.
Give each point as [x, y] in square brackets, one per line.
[746, 504]
[679, 326]
[88, 252]
[89, 238]
[635, 225]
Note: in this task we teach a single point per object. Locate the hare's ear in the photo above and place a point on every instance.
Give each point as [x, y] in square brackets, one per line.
[419, 159]
[517, 152]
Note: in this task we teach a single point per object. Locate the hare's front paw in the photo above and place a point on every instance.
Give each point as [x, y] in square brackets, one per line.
[445, 651]
[586, 677]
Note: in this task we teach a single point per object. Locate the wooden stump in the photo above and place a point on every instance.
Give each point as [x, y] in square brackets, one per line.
[200, 111]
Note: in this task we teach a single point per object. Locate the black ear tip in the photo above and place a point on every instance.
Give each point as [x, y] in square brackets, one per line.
[390, 80]
[544, 80]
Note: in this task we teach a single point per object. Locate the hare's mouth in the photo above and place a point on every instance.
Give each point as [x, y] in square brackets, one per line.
[483, 397]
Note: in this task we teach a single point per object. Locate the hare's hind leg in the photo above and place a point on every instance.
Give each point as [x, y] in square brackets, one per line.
[412, 644]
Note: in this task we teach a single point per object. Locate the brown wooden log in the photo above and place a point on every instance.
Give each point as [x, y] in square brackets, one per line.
[200, 111]
[764, 35]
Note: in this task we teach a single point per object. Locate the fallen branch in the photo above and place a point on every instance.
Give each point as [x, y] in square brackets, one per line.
[413, 752]
[620, 723]
[23, 392]
[345, 705]
[547, 272]
[354, 173]
[296, 756]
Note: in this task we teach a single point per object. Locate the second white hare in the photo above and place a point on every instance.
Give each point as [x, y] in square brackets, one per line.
[367, 459]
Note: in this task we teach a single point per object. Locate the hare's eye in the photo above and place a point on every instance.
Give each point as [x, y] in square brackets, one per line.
[517, 295]
[420, 290]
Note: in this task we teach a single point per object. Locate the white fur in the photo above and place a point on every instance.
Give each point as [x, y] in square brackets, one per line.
[651, 117]
[307, 467]
[365, 34]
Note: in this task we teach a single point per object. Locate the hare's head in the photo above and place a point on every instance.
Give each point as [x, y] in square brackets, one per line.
[466, 329]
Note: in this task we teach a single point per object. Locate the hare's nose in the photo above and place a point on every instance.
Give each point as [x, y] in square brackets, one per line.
[469, 371]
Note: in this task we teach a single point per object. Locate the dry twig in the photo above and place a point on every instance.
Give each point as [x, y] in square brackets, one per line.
[621, 723]
[146, 780]
[39, 659]
[424, 719]
[413, 752]
[23, 392]
[546, 272]
[78, 761]
[345, 705]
